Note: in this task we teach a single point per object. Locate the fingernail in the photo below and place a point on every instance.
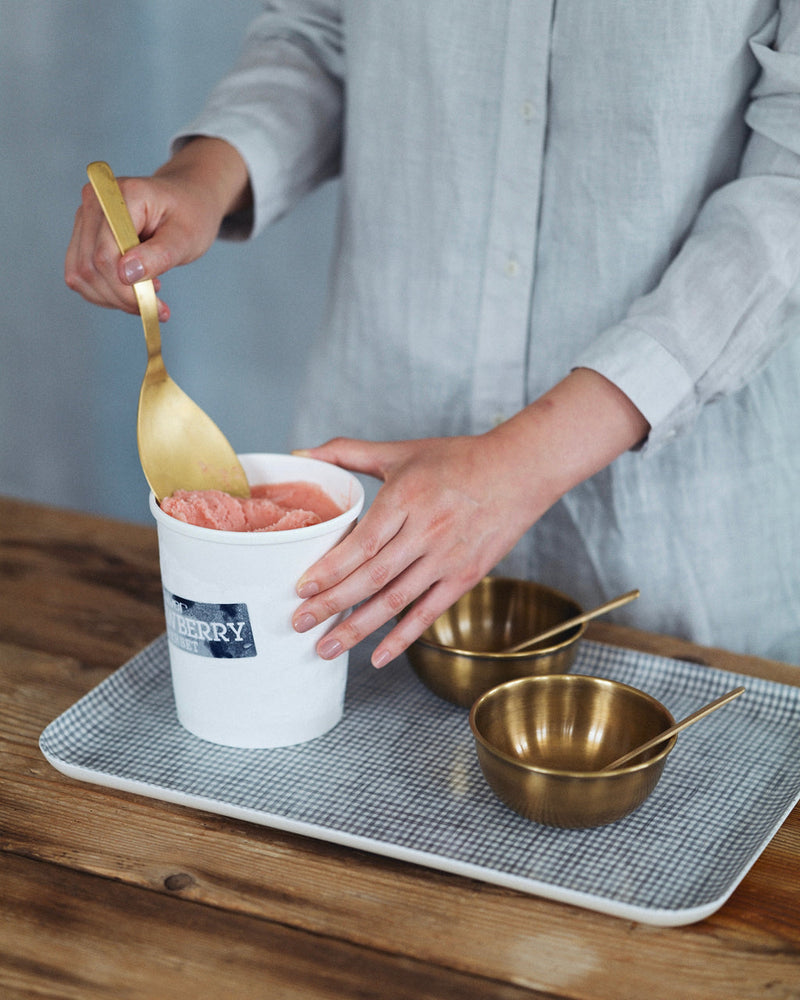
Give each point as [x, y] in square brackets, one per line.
[381, 658]
[329, 649]
[301, 453]
[133, 269]
[306, 589]
[304, 622]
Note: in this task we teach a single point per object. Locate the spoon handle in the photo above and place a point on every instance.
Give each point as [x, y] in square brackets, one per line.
[571, 622]
[701, 713]
[113, 204]
[119, 219]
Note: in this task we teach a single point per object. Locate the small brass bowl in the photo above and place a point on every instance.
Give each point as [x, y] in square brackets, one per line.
[458, 657]
[542, 740]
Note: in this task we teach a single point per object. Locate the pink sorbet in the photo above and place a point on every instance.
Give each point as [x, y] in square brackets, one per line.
[270, 507]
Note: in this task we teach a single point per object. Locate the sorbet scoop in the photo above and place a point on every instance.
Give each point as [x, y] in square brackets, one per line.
[180, 447]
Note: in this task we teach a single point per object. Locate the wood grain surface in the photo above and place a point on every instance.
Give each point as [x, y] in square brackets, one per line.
[112, 895]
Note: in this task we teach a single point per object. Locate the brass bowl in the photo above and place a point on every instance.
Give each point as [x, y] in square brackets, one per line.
[458, 657]
[542, 740]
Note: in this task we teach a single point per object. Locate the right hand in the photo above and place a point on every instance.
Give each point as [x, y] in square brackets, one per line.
[177, 213]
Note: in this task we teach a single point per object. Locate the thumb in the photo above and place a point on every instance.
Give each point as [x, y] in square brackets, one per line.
[148, 259]
[132, 268]
[135, 266]
[372, 458]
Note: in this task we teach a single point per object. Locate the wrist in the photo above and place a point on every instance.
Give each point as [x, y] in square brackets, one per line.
[213, 166]
[567, 435]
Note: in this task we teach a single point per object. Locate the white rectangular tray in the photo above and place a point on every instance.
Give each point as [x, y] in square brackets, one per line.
[399, 777]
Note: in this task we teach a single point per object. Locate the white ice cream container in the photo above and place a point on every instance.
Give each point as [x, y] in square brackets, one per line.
[241, 675]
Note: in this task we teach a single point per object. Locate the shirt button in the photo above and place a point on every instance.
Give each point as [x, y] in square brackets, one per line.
[527, 111]
[512, 267]
[497, 419]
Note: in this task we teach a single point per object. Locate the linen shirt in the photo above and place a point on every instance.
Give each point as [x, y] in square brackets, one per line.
[533, 185]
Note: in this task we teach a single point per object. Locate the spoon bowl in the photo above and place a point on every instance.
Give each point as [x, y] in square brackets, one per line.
[180, 447]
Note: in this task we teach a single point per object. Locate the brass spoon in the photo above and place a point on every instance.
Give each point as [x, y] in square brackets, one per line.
[572, 622]
[180, 447]
[701, 713]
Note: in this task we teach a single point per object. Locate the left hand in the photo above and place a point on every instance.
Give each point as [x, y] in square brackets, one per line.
[447, 514]
[451, 508]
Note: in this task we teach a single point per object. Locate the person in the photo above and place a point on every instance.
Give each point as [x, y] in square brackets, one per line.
[562, 328]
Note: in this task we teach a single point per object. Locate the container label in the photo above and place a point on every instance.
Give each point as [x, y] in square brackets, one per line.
[221, 631]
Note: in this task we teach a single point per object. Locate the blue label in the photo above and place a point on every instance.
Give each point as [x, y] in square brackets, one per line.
[221, 631]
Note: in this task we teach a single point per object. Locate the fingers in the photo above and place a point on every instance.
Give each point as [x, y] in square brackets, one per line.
[357, 569]
[372, 545]
[92, 258]
[371, 615]
[410, 596]
[418, 616]
[362, 564]
[95, 268]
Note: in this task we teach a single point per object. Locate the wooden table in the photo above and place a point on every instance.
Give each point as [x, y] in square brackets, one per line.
[109, 895]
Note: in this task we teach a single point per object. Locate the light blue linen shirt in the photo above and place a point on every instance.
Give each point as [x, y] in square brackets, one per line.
[532, 185]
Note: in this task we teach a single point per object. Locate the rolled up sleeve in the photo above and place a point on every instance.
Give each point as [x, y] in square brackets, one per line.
[281, 108]
[729, 298]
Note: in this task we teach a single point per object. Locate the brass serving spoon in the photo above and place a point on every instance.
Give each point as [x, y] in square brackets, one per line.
[701, 713]
[180, 447]
[572, 622]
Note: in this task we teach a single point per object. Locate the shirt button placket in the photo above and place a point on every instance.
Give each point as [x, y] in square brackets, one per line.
[499, 373]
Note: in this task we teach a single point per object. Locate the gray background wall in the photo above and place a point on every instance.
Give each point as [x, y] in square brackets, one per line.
[113, 79]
